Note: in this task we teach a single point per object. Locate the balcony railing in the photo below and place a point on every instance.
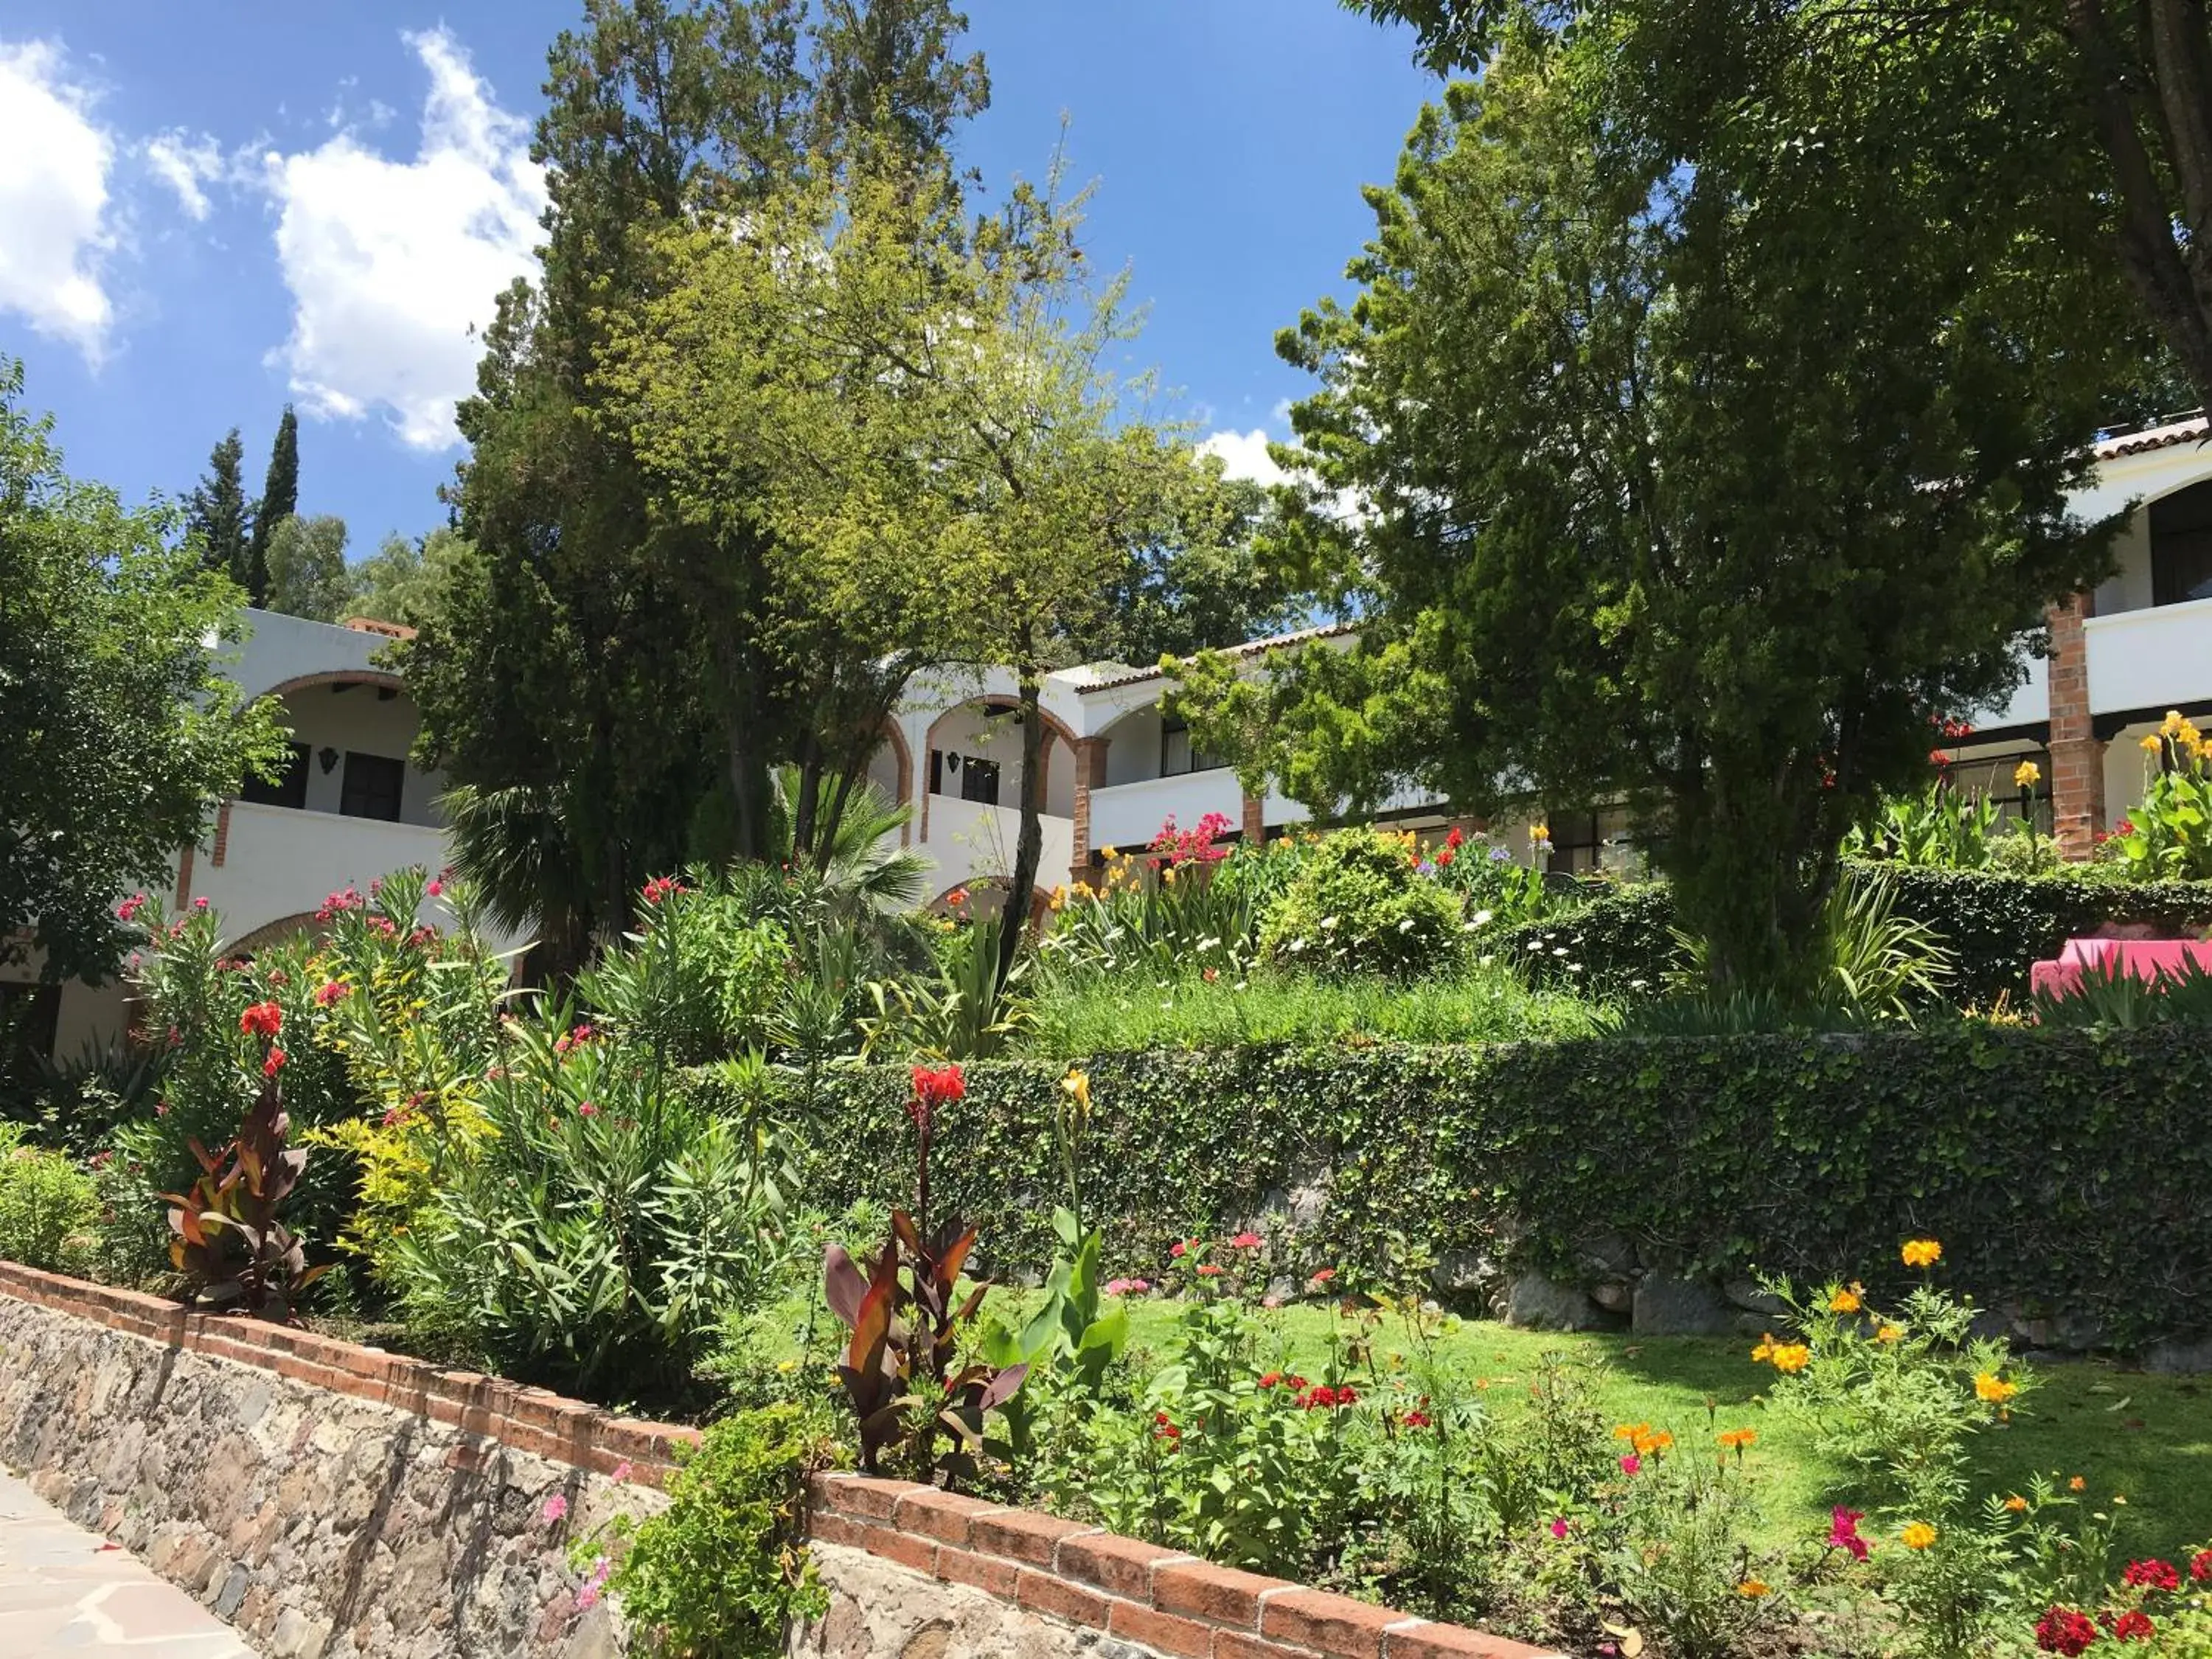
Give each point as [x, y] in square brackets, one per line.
[280, 862]
[1131, 814]
[2154, 659]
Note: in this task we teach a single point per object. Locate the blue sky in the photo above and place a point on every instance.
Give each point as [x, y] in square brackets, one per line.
[207, 211]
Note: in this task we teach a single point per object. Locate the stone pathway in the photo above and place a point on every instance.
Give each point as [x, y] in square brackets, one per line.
[65, 1592]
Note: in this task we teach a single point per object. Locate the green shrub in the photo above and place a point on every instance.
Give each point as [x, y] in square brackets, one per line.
[721, 1572]
[1999, 926]
[1359, 904]
[47, 1207]
[2063, 1170]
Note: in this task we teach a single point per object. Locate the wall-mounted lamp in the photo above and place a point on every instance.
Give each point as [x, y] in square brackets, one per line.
[328, 756]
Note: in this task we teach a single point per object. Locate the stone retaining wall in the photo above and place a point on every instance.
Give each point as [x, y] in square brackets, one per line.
[329, 1500]
[916, 1573]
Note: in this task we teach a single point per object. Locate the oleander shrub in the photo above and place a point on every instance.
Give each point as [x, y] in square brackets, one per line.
[2068, 1170]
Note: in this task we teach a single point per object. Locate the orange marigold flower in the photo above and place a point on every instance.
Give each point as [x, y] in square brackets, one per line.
[1889, 1334]
[2077, 1484]
[1752, 1589]
[1734, 1439]
[1922, 1253]
[1917, 1536]
[2015, 1503]
[1792, 1357]
[1993, 1388]
[1764, 1351]
[1846, 1301]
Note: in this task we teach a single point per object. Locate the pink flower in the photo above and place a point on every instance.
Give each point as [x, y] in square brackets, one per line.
[555, 1507]
[1843, 1532]
[200, 904]
[586, 1110]
[1127, 1287]
[330, 990]
[661, 887]
[1245, 1241]
[1180, 1247]
[1560, 1527]
[128, 909]
[622, 1471]
[1630, 1464]
[160, 1108]
[435, 888]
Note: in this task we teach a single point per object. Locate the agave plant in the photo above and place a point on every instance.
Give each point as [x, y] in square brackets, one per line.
[229, 1244]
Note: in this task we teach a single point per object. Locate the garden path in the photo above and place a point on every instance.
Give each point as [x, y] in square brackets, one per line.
[68, 1593]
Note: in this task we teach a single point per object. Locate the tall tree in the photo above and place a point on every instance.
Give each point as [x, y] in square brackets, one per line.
[216, 514]
[118, 732]
[1647, 513]
[650, 628]
[927, 423]
[306, 569]
[401, 580]
[280, 499]
[2111, 104]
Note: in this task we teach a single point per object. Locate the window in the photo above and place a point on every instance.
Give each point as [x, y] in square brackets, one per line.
[979, 781]
[291, 788]
[373, 784]
[2181, 546]
[30, 1015]
[1575, 843]
[1177, 758]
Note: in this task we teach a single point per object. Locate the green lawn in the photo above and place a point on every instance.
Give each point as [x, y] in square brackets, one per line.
[2146, 1436]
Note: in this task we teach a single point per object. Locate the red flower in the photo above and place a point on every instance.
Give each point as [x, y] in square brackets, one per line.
[2152, 1575]
[1164, 1428]
[2200, 1566]
[1444, 858]
[2133, 1626]
[661, 887]
[1245, 1241]
[330, 990]
[933, 1085]
[1843, 1532]
[1938, 757]
[584, 1108]
[1209, 1271]
[1181, 1248]
[271, 1065]
[1457, 838]
[2061, 1629]
[261, 1019]
[1417, 1420]
[1269, 1379]
[1324, 1276]
[130, 907]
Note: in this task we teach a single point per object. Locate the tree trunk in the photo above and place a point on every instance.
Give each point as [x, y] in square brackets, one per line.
[1029, 844]
[748, 769]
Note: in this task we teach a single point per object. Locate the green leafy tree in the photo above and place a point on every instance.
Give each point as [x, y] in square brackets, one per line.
[401, 581]
[2109, 107]
[1646, 511]
[118, 732]
[216, 514]
[306, 569]
[280, 500]
[619, 666]
[924, 415]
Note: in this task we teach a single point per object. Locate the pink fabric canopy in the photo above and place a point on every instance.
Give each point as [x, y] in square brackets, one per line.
[2139, 959]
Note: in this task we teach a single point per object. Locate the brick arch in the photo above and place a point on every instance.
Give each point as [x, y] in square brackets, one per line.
[271, 932]
[1054, 727]
[1040, 904]
[375, 676]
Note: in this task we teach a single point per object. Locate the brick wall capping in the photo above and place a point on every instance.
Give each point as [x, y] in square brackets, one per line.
[562, 1430]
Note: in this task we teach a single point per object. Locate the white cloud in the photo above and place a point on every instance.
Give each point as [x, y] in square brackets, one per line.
[1245, 455]
[391, 262]
[185, 161]
[54, 166]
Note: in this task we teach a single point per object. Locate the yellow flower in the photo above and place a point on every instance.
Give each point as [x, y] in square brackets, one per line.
[1922, 1253]
[1540, 831]
[1631, 1431]
[1993, 1388]
[1735, 1439]
[1752, 1589]
[1646, 1443]
[2153, 744]
[1792, 1357]
[2171, 727]
[1059, 897]
[1917, 1536]
[2027, 774]
[2015, 1503]
[1764, 1351]
[1846, 1300]
[1889, 1334]
[1076, 1087]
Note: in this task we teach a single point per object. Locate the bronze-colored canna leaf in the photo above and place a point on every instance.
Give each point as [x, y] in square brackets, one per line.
[229, 1243]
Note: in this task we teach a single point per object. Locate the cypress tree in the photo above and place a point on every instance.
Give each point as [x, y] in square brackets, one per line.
[280, 500]
[215, 511]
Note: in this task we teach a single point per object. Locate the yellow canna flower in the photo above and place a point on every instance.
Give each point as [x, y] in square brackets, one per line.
[2027, 774]
[1077, 1085]
[1540, 831]
[1846, 1301]
[2171, 727]
[1922, 1253]
[2153, 744]
[1993, 1389]
[1917, 1536]
[1752, 1589]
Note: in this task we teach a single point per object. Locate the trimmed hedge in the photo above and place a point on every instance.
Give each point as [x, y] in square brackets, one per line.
[2063, 1171]
[1999, 925]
